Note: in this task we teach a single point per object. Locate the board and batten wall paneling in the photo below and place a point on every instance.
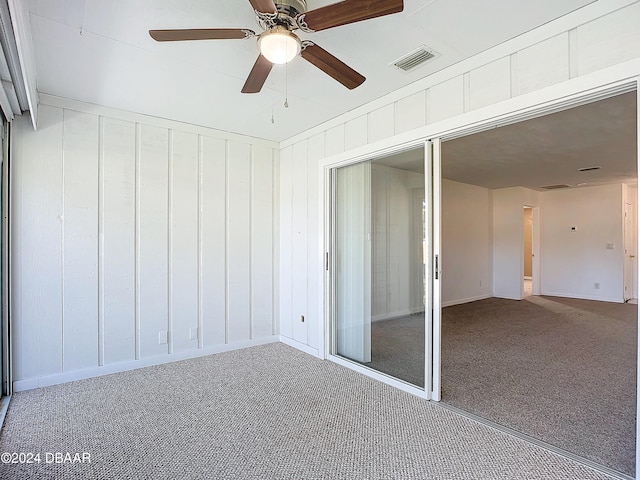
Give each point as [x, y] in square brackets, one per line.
[490, 83]
[315, 253]
[183, 281]
[213, 208]
[153, 241]
[299, 183]
[335, 140]
[124, 230]
[117, 231]
[286, 242]
[80, 240]
[381, 123]
[262, 263]
[355, 133]
[239, 241]
[543, 64]
[445, 100]
[37, 246]
[411, 112]
[608, 40]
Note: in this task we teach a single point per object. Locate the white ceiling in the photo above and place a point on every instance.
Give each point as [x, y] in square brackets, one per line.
[100, 52]
[549, 150]
[546, 150]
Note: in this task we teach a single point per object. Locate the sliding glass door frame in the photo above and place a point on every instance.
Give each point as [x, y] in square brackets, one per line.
[433, 265]
[5, 336]
[331, 265]
[586, 89]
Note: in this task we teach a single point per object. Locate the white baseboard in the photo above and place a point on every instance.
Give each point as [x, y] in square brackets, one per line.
[460, 301]
[398, 314]
[300, 346]
[31, 383]
[584, 297]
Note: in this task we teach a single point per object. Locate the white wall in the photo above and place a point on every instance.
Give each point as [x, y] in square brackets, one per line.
[126, 226]
[394, 242]
[466, 243]
[573, 261]
[522, 72]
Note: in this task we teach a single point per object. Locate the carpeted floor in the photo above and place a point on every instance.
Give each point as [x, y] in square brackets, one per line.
[397, 348]
[557, 369]
[268, 412]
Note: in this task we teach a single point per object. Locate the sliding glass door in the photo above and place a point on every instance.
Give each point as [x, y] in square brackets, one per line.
[433, 275]
[380, 257]
[353, 262]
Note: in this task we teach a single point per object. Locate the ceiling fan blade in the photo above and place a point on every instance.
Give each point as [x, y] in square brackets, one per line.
[332, 66]
[257, 76]
[201, 34]
[348, 11]
[263, 6]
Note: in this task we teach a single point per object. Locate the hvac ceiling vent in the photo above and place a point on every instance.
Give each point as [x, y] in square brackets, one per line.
[555, 187]
[414, 59]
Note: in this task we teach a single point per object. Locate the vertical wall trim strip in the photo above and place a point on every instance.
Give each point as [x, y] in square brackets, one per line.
[466, 92]
[62, 242]
[136, 241]
[252, 160]
[100, 240]
[275, 237]
[427, 102]
[226, 242]
[170, 244]
[514, 88]
[308, 267]
[573, 53]
[200, 239]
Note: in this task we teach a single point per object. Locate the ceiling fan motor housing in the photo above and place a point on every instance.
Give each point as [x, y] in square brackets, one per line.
[291, 7]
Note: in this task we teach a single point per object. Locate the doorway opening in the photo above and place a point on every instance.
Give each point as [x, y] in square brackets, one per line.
[524, 362]
[527, 266]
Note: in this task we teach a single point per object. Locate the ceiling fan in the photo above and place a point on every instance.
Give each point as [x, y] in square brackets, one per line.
[278, 44]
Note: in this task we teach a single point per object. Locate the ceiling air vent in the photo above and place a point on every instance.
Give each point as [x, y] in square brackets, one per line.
[554, 187]
[414, 59]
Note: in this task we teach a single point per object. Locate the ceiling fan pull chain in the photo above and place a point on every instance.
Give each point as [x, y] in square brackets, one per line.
[84, 6]
[286, 86]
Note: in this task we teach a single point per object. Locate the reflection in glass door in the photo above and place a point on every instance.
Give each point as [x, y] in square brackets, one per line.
[379, 283]
[353, 262]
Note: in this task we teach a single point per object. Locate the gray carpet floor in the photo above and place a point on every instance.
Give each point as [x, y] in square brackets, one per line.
[267, 412]
[557, 369]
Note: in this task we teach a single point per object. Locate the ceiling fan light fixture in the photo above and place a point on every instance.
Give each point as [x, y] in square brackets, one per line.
[279, 45]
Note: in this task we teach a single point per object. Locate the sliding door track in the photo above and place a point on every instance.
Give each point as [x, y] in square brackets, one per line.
[547, 446]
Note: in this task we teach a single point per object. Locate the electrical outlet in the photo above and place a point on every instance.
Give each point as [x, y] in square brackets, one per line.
[596, 285]
[163, 337]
